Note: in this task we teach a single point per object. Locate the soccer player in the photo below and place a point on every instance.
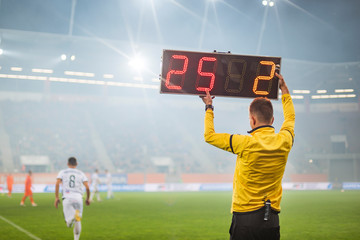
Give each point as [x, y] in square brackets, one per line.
[28, 191]
[260, 165]
[95, 181]
[109, 184]
[72, 181]
[10, 182]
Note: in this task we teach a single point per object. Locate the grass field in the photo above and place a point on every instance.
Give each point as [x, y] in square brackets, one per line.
[192, 215]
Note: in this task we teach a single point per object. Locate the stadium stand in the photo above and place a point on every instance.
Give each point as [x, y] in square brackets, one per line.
[207, 178]
[309, 178]
[58, 129]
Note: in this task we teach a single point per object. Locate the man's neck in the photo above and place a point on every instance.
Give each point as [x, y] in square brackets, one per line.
[261, 124]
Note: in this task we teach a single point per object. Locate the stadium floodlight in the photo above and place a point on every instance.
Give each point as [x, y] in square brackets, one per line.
[63, 57]
[343, 90]
[40, 70]
[1, 51]
[301, 91]
[138, 63]
[321, 91]
[268, 3]
[297, 97]
[333, 96]
[72, 58]
[81, 74]
[16, 69]
[108, 75]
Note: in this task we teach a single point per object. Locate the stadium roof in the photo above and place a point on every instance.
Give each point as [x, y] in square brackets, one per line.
[322, 30]
[318, 40]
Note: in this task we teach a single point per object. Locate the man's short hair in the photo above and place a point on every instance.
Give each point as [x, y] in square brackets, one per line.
[72, 161]
[262, 108]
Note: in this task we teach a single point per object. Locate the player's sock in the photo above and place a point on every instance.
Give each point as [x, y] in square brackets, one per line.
[70, 223]
[77, 230]
[77, 216]
[32, 202]
[22, 203]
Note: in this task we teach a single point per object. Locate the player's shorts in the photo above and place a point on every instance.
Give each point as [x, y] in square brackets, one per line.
[70, 205]
[28, 192]
[95, 188]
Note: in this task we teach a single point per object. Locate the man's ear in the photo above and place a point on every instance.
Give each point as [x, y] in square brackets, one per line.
[253, 119]
[272, 120]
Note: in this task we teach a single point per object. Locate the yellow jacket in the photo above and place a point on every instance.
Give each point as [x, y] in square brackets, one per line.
[261, 159]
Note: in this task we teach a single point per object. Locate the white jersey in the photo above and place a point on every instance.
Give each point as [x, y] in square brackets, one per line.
[95, 179]
[72, 182]
[108, 178]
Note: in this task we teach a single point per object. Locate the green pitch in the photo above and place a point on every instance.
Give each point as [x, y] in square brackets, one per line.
[195, 216]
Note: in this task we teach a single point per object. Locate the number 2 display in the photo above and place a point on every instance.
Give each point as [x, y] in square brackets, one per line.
[223, 74]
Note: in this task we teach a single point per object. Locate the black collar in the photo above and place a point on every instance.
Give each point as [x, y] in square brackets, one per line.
[252, 130]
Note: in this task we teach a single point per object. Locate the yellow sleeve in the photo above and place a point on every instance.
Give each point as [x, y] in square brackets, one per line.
[289, 117]
[223, 141]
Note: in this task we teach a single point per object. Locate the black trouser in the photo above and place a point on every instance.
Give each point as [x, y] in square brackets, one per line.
[251, 225]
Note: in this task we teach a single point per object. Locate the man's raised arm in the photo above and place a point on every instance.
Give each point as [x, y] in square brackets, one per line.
[288, 107]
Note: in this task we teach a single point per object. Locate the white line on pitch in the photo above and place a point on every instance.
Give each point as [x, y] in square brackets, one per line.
[19, 228]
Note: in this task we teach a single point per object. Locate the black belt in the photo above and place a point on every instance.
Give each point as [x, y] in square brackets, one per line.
[256, 211]
[257, 218]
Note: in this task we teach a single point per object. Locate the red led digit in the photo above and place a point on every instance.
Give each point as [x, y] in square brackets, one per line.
[235, 76]
[172, 72]
[264, 78]
[206, 74]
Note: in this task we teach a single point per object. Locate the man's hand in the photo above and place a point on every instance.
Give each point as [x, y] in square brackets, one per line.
[87, 202]
[282, 84]
[57, 202]
[207, 99]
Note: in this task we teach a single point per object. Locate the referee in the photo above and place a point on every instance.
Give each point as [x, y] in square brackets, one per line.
[260, 165]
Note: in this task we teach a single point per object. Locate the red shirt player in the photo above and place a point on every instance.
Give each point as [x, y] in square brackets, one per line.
[28, 192]
[10, 182]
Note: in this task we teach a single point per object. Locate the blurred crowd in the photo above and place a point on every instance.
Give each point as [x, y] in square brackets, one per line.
[134, 134]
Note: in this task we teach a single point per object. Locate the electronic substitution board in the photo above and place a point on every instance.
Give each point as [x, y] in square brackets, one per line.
[223, 74]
